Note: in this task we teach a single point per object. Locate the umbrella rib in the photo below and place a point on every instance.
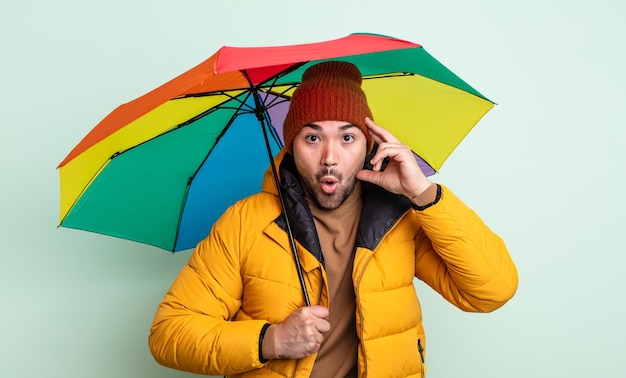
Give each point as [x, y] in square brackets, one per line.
[277, 76]
[267, 105]
[220, 93]
[264, 85]
[396, 74]
[213, 93]
[279, 97]
[217, 139]
[224, 130]
[186, 123]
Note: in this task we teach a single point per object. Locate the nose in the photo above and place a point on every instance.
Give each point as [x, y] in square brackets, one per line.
[329, 155]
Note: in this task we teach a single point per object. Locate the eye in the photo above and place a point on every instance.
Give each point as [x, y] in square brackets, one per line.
[348, 138]
[312, 138]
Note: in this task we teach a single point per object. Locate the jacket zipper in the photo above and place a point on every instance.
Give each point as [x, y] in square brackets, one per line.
[420, 348]
[357, 292]
[295, 368]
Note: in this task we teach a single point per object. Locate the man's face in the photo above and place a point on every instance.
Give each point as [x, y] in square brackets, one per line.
[328, 155]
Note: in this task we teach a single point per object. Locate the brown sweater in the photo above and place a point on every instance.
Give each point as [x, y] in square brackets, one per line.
[337, 234]
[337, 231]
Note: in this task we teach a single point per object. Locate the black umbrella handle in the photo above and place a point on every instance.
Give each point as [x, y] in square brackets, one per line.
[260, 114]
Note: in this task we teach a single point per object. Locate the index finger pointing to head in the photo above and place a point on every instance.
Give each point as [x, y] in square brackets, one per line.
[374, 130]
[379, 133]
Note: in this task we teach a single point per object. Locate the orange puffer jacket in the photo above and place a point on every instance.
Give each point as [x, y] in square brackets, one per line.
[242, 276]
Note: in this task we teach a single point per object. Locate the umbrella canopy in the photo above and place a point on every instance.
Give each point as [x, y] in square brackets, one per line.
[163, 167]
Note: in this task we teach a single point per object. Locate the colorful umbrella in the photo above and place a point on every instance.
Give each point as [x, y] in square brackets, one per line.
[161, 168]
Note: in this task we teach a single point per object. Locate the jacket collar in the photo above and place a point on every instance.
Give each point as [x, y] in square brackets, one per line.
[381, 209]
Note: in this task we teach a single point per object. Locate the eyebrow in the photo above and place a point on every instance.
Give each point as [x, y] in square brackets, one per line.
[341, 128]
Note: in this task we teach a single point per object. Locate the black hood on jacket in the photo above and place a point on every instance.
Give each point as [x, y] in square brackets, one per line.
[381, 210]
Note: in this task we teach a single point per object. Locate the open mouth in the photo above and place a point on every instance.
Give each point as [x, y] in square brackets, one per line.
[328, 184]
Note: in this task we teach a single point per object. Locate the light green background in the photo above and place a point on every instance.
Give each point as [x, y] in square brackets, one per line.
[544, 169]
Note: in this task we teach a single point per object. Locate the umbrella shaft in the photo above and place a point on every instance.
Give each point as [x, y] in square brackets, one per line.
[260, 113]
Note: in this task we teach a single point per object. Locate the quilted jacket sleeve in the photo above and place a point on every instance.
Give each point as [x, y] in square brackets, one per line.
[461, 258]
[191, 330]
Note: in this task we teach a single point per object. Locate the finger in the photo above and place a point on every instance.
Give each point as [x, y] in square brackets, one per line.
[379, 133]
[312, 347]
[318, 311]
[374, 130]
[365, 175]
[322, 325]
[386, 150]
[319, 338]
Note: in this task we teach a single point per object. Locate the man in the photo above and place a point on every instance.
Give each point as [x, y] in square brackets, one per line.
[362, 236]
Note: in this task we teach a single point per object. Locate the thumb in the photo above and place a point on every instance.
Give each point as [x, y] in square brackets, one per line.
[369, 176]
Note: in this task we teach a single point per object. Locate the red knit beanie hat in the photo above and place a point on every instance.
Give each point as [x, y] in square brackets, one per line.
[329, 91]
